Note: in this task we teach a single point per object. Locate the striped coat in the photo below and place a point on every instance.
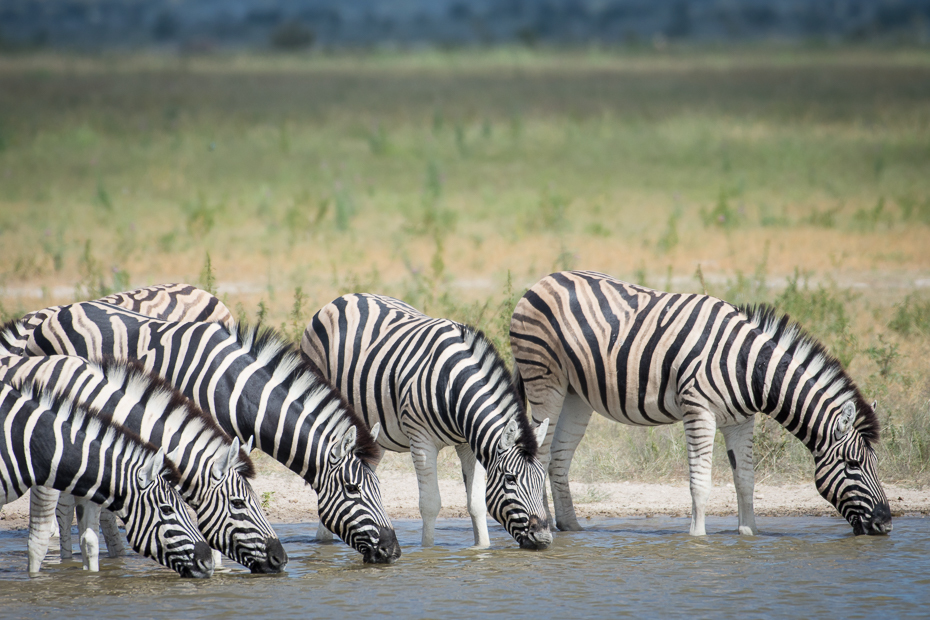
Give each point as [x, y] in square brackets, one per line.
[584, 341]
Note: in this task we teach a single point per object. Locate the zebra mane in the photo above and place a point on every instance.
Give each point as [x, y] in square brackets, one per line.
[807, 350]
[98, 426]
[483, 349]
[11, 332]
[303, 379]
[133, 377]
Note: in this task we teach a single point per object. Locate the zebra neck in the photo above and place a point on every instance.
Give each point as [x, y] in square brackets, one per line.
[800, 394]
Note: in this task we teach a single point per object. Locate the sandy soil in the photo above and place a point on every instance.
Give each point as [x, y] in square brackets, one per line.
[290, 500]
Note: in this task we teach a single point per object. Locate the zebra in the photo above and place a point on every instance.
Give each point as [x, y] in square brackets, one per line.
[213, 470]
[168, 302]
[430, 383]
[585, 341]
[174, 302]
[256, 386]
[50, 440]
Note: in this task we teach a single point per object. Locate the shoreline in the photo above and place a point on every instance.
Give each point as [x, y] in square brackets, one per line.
[288, 499]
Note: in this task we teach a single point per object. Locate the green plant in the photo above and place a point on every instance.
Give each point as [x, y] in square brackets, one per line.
[885, 354]
[267, 498]
[723, 215]
[669, 238]
[208, 277]
[297, 321]
[911, 316]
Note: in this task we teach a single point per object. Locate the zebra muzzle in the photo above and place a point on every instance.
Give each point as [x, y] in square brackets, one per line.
[275, 558]
[201, 565]
[385, 550]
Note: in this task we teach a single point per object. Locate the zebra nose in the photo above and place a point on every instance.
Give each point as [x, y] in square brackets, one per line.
[275, 554]
[881, 520]
[387, 549]
[538, 534]
[203, 560]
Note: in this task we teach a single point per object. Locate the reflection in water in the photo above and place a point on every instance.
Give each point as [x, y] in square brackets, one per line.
[801, 567]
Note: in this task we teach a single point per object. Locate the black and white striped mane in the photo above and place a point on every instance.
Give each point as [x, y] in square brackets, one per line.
[483, 349]
[811, 353]
[95, 425]
[302, 379]
[133, 375]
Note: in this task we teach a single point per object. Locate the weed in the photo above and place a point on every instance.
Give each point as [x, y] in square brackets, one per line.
[267, 498]
[750, 289]
[669, 238]
[208, 277]
[200, 216]
[297, 319]
[344, 204]
[884, 355]
[723, 215]
[822, 219]
[911, 316]
[869, 219]
[550, 213]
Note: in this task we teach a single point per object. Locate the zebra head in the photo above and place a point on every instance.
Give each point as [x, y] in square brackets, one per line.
[158, 524]
[846, 475]
[349, 502]
[516, 481]
[230, 516]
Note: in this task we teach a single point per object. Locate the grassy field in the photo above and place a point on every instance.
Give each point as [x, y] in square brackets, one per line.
[456, 180]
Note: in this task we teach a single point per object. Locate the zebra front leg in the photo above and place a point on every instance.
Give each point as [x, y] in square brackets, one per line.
[42, 504]
[700, 428]
[111, 534]
[573, 421]
[88, 517]
[424, 454]
[739, 451]
[475, 489]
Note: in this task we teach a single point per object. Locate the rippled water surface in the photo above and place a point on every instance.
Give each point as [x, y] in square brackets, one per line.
[798, 567]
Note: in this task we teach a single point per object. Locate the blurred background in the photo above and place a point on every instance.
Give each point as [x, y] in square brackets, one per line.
[451, 153]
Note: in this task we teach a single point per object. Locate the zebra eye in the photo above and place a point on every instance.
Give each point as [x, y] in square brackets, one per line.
[238, 503]
[510, 479]
[167, 510]
[852, 464]
[352, 488]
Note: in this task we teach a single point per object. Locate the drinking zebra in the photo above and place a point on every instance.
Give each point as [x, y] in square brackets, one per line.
[431, 383]
[69, 447]
[256, 386]
[212, 468]
[173, 302]
[584, 341]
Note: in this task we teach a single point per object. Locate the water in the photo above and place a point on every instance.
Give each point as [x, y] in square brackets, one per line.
[634, 567]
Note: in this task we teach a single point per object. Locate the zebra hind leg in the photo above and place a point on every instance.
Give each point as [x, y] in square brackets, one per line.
[739, 451]
[111, 534]
[475, 486]
[42, 503]
[573, 421]
[64, 514]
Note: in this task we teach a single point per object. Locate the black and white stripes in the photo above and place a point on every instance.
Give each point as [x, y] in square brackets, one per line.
[49, 441]
[584, 341]
[429, 383]
[213, 469]
[256, 387]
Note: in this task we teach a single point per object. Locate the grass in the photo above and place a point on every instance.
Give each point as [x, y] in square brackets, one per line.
[456, 180]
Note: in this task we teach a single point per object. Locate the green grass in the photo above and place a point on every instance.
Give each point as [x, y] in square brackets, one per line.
[456, 180]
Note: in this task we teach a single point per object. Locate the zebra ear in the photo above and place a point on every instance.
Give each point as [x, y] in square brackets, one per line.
[845, 421]
[344, 446]
[151, 469]
[375, 431]
[175, 455]
[228, 461]
[874, 406]
[248, 445]
[509, 438]
[541, 431]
